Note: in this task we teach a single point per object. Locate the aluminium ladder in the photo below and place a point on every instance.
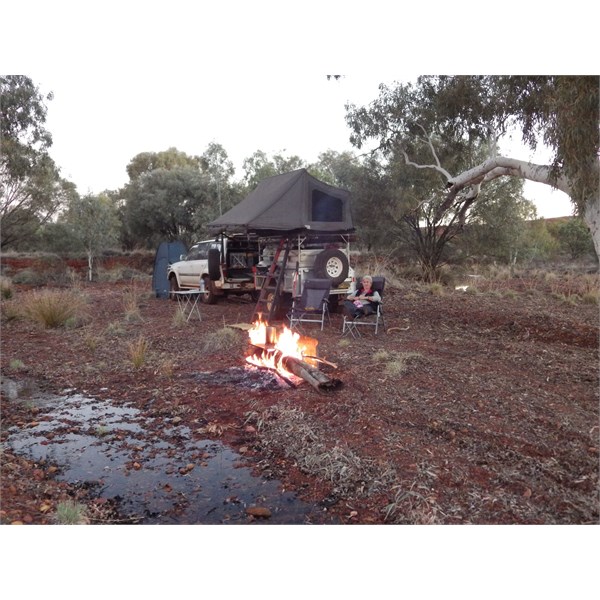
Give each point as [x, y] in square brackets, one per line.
[270, 294]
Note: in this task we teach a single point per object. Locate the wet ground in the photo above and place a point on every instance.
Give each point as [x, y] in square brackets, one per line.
[167, 477]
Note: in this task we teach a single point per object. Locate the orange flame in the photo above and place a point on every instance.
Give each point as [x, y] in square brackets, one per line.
[287, 343]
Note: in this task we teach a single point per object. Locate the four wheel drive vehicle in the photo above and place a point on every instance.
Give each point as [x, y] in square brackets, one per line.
[238, 264]
[312, 215]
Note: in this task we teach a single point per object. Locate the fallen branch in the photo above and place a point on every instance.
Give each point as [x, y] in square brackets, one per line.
[389, 329]
[322, 360]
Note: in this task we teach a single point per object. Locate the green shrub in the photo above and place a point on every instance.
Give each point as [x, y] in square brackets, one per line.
[71, 513]
[29, 277]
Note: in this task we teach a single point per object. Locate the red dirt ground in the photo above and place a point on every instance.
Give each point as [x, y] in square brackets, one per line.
[484, 410]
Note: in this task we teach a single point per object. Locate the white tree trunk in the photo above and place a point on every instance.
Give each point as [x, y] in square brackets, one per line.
[591, 216]
[501, 166]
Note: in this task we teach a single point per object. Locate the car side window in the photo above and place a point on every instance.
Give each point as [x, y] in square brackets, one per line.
[203, 250]
[193, 253]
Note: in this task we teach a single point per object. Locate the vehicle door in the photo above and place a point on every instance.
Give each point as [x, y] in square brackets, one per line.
[192, 269]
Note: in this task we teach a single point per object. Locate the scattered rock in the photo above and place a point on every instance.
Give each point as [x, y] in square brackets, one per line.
[258, 511]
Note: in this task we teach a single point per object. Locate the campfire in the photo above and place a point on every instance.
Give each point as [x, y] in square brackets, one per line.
[291, 356]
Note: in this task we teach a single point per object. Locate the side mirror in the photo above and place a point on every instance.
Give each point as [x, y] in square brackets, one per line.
[182, 257]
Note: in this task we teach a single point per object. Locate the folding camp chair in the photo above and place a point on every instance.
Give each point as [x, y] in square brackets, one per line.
[313, 305]
[352, 325]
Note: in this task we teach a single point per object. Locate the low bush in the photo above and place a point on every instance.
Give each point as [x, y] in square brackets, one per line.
[221, 339]
[54, 308]
[6, 288]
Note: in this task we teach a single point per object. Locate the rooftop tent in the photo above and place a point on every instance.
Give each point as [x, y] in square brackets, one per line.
[292, 201]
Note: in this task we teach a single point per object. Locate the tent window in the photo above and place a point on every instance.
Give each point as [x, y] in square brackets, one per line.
[326, 208]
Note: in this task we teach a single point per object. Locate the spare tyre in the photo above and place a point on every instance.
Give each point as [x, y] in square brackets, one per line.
[214, 264]
[332, 264]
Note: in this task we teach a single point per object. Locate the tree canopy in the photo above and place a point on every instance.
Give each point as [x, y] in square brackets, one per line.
[145, 162]
[437, 116]
[94, 223]
[167, 205]
[31, 189]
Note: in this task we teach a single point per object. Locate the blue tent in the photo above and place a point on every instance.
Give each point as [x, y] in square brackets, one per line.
[167, 253]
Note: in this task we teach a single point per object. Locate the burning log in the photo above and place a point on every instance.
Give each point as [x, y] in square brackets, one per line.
[310, 374]
[286, 353]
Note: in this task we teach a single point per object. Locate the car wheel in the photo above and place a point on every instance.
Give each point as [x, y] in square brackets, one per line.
[332, 264]
[173, 287]
[210, 297]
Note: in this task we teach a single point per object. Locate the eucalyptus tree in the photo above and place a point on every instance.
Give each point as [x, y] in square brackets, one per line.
[415, 122]
[500, 224]
[94, 223]
[146, 162]
[172, 195]
[216, 164]
[259, 166]
[168, 204]
[574, 237]
[31, 189]
[366, 180]
[336, 168]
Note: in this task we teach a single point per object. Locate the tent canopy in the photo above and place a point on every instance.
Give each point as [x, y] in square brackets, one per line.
[290, 202]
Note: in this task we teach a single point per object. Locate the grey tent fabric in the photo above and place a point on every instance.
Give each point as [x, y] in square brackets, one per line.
[289, 202]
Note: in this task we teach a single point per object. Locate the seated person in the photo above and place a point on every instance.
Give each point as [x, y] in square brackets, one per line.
[362, 302]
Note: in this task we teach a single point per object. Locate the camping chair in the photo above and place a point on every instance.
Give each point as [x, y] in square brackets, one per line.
[353, 325]
[313, 305]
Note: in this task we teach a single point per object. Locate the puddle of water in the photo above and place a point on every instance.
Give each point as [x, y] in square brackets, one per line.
[166, 477]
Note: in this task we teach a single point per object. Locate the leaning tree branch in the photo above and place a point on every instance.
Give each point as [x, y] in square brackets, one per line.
[513, 167]
[437, 167]
[431, 147]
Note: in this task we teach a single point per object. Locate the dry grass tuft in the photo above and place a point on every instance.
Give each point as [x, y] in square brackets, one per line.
[179, 318]
[54, 308]
[138, 351]
[6, 288]
[395, 363]
[166, 367]
[131, 303]
[221, 339]
[10, 310]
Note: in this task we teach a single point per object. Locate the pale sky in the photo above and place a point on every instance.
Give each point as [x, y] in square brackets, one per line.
[99, 123]
[132, 77]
